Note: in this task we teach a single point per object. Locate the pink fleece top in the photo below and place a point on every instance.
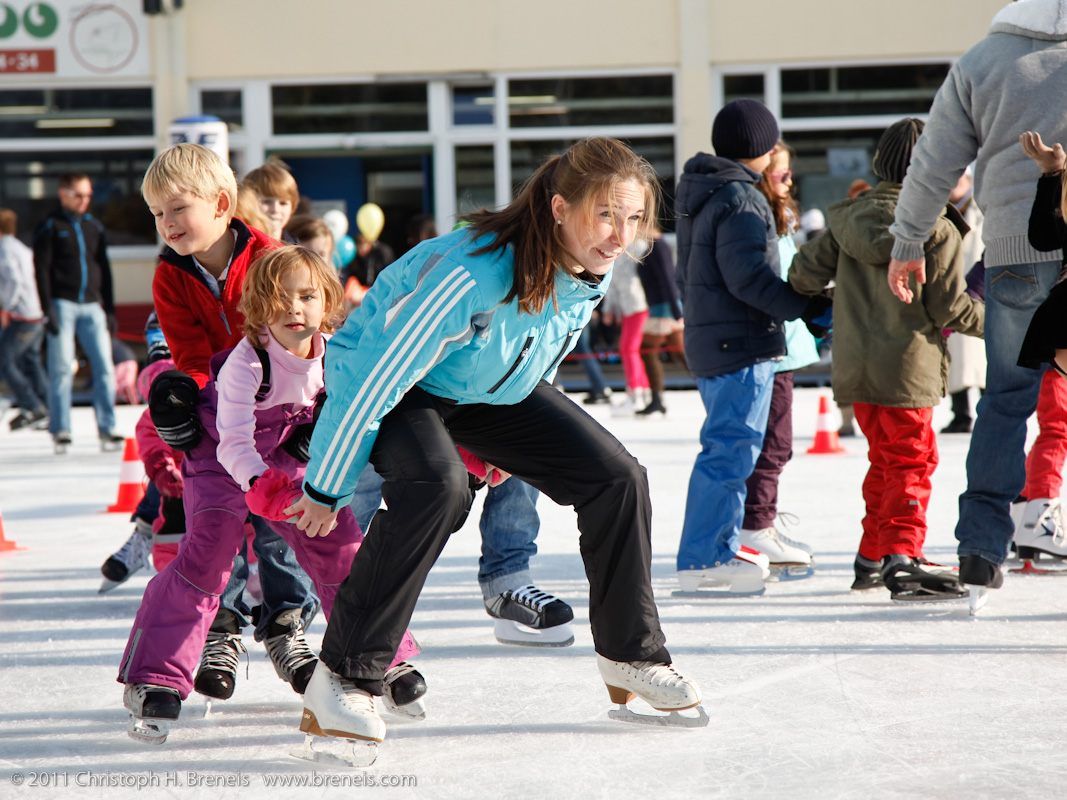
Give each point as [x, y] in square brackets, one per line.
[294, 381]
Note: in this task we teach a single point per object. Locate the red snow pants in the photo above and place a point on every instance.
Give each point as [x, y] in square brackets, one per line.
[902, 450]
[1044, 465]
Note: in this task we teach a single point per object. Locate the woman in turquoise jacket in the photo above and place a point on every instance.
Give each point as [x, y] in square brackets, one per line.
[457, 343]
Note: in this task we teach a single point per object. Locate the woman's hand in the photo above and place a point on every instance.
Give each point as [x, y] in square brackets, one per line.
[315, 519]
[1048, 159]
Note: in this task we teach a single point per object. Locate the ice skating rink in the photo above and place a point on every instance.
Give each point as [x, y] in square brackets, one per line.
[813, 692]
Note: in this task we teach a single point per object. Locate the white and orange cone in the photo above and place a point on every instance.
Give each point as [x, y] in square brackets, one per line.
[826, 441]
[131, 480]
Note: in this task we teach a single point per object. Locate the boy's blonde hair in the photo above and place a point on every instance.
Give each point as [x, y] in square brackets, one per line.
[248, 210]
[273, 179]
[188, 168]
[261, 301]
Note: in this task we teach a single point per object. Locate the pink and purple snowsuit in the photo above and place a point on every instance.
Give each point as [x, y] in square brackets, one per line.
[179, 604]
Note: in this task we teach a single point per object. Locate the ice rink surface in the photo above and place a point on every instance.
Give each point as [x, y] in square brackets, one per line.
[813, 691]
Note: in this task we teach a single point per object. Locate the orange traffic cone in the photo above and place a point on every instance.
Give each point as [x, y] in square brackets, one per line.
[131, 480]
[825, 436]
[6, 545]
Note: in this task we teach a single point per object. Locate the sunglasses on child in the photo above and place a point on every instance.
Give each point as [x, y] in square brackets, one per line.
[782, 177]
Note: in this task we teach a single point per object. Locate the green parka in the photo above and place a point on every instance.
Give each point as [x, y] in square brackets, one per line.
[886, 352]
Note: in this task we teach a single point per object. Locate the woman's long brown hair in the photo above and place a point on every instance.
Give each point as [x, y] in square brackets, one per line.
[585, 175]
[786, 211]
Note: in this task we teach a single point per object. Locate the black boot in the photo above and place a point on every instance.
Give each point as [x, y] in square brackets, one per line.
[961, 413]
[217, 674]
[868, 574]
[976, 571]
[918, 580]
[655, 407]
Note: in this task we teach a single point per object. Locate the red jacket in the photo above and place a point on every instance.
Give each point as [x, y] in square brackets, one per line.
[196, 324]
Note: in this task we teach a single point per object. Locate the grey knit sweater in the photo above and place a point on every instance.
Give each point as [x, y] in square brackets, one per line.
[1009, 82]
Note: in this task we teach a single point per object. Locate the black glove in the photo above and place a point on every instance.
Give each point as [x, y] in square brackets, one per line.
[172, 404]
[818, 315]
[298, 443]
[51, 326]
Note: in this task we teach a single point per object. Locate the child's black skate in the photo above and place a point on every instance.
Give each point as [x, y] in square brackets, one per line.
[217, 675]
[530, 616]
[152, 709]
[293, 660]
[916, 580]
[61, 443]
[979, 576]
[404, 689]
[868, 574]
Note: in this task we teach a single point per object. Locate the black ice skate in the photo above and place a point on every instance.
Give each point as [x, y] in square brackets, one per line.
[61, 443]
[916, 580]
[979, 576]
[530, 616]
[404, 689]
[152, 709]
[216, 678]
[293, 660]
[868, 574]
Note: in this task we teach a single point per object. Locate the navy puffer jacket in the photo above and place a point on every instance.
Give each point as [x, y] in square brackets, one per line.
[734, 300]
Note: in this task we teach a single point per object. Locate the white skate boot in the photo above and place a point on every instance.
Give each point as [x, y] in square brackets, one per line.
[659, 685]
[335, 707]
[152, 709]
[404, 689]
[532, 617]
[128, 559]
[743, 575]
[788, 561]
[1040, 533]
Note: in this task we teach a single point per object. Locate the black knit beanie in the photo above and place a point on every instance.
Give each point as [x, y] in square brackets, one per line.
[891, 159]
[744, 129]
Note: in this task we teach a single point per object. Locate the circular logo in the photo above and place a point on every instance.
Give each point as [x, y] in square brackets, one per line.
[103, 38]
[9, 23]
[40, 20]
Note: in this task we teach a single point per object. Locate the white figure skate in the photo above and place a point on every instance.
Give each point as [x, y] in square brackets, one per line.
[334, 707]
[659, 685]
[788, 560]
[742, 576]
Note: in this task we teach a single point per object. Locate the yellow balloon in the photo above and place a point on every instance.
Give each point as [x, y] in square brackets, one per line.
[370, 219]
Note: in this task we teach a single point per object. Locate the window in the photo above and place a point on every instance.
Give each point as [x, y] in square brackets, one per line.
[475, 185]
[226, 104]
[828, 161]
[735, 87]
[350, 108]
[29, 182]
[54, 113]
[852, 91]
[558, 102]
[473, 105]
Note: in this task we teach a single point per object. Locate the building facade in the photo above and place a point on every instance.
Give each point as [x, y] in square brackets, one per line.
[427, 107]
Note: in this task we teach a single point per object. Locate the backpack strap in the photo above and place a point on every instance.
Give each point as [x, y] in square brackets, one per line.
[264, 384]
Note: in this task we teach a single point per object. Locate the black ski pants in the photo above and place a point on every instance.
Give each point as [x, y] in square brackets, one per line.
[550, 443]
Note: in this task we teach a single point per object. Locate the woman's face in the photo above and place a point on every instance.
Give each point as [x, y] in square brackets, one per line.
[595, 242]
[780, 175]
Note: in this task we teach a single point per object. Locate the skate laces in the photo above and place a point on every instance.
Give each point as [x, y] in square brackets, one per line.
[399, 671]
[532, 597]
[655, 673]
[222, 651]
[352, 696]
[1051, 519]
[788, 520]
[289, 651]
[135, 550]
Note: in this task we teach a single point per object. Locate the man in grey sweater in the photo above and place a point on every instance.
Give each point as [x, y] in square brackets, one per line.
[1009, 82]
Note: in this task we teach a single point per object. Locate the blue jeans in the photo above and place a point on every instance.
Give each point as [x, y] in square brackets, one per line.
[20, 364]
[731, 439]
[996, 461]
[88, 322]
[148, 508]
[590, 363]
[285, 584]
[509, 527]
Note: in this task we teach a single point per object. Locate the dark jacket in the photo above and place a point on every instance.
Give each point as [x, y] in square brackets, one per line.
[733, 299]
[71, 257]
[1047, 332]
[886, 352]
[659, 279]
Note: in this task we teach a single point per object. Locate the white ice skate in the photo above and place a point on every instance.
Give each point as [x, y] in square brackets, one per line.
[152, 709]
[531, 617]
[128, 559]
[61, 443]
[335, 707]
[1040, 532]
[788, 560]
[403, 692]
[659, 685]
[741, 576]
